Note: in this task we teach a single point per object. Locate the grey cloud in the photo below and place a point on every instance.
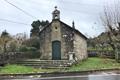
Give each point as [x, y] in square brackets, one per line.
[84, 12]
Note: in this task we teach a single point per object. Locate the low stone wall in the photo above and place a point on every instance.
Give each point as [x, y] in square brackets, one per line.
[97, 53]
[10, 57]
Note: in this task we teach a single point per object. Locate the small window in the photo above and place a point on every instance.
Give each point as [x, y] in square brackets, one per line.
[56, 16]
[55, 27]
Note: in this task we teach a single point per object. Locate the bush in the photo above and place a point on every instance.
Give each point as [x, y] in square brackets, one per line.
[31, 49]
[23, 49]
[32, 54]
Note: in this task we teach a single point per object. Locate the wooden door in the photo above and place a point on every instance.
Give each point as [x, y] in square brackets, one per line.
[56, 50]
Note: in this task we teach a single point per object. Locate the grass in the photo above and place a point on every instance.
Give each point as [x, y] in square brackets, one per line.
[89, 64]
[16, 69]
[95, 64]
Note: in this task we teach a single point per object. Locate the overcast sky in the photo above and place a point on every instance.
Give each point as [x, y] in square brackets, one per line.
[85, 13]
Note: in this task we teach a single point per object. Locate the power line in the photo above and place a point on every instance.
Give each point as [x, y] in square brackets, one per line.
[75, 10]
[13, 21]
[20, 9]
[79, 3]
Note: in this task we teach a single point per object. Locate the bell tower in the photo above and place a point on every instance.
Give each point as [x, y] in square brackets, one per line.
[56, 14]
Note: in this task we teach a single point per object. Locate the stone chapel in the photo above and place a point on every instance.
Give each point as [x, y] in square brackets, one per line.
[59, 41]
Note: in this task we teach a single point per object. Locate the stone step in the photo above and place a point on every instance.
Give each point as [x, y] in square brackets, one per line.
[32, 60]
[45, 63]
[48, 67]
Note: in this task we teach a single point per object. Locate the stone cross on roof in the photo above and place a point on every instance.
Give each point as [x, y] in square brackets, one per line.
[56, 14]
[55, 7]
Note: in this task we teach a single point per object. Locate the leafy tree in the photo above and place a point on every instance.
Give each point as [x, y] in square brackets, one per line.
[37, 26]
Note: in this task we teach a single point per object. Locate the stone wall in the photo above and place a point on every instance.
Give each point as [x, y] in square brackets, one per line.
[58, 31]
[66, 41]
[45, 43]
[11, 57]
[80, 47]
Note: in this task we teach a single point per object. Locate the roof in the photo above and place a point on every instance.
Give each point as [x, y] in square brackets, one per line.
[77, 31]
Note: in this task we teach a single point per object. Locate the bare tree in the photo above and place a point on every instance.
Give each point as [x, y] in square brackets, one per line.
[111, 22]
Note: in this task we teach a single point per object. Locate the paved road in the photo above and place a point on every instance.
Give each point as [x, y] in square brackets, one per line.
[102, 76]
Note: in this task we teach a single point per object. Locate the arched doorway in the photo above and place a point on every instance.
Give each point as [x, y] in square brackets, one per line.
[56, 50]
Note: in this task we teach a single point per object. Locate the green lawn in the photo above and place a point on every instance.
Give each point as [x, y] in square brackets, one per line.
[95, 64]
[89, 64]
[15, 69]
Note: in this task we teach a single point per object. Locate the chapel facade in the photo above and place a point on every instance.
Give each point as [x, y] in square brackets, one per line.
[59, 41]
